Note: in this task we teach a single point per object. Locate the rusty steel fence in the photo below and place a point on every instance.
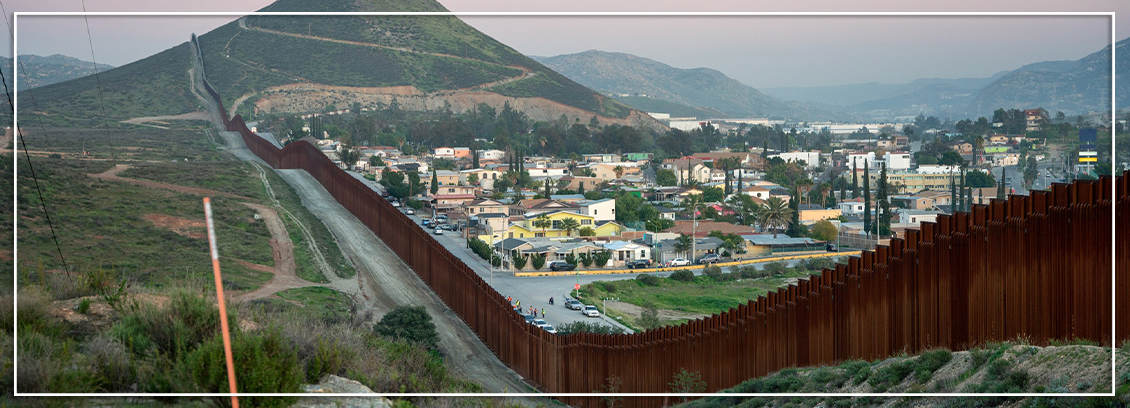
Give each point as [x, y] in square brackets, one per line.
[1034, 267]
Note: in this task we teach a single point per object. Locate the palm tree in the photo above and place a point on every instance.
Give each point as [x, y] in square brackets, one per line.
[825, 188]
[619, 171]
[683, 243]
[542, 222]
[570, 225]
[775, 215]
[804, 186]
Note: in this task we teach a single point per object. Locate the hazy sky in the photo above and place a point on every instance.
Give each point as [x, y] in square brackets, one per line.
[762, 51]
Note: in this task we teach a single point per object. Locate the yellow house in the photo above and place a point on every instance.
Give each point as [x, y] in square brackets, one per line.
[526, 227]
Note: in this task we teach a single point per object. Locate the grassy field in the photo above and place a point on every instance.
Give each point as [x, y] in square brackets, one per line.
[129, 143]
[705, 295]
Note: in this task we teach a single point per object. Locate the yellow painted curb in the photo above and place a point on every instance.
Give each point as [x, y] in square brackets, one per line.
[676, 268]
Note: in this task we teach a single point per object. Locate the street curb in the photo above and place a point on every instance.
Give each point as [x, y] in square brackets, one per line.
[677, 268]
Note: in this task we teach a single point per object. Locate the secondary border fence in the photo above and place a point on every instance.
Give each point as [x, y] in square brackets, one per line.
[1035, 267]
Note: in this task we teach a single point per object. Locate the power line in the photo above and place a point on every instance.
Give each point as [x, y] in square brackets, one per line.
[16, 59]
[97, 81]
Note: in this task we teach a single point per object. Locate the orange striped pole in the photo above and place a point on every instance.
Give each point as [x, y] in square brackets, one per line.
[220, 298]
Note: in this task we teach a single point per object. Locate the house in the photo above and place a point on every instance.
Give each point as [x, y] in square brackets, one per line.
[1034, 118]
[627, 251]
[462, 153]
[717, 176]
[638, 156]
[576, 183]
[917, 216]
[602, 158]
[666, 212]
[748, 159]
[758, 192]
[687, 170]
[573, 248]
[998, 139]
[491, 154]
[767, 244]
[525, 227]
[483, 178]
[811, 159]
[445, 178]
[667, 250]
[489, 227]
[444, 152]
[963, 148]
[811, 213]
[568, 198]
[609, 172]
[852, 207]
[484, 206]
[539, 205]
[600, 210]
[551, 172]
[782, 194]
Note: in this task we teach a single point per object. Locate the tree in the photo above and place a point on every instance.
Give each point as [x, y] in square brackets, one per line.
[665, 177]
[435, 182]
[473, 179]
[537, 260]
[619, 170]
[1000, 186]
[588, 327]
[823, 230]
[866, 198]
[586, 232]
[854, 180]
[775, 215]
[411, 324]
[570, 225]
[376, 161]
[979, 179]
[712, 195]
[519, 260]
[687, 382]
[1030, 171]
[649, 318]
[884, 210]
[683, 244]
[542, 222]
[803, 186]
[825, 189]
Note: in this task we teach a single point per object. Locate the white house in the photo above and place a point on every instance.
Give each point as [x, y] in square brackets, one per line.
[445, 152]
[894, 161]
[811, 159]
[489, 154]
[600, 210]
[851, 208]
[917, 216]
[758, 192]
[624, 251]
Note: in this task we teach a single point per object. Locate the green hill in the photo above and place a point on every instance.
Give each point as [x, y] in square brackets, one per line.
[437, 56]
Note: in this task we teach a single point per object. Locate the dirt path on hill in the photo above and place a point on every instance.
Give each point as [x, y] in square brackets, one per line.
[282, 250]
[112, 175]
[160, 119]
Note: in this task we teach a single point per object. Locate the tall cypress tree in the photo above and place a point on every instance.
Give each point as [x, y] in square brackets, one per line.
[854, 179]
[953, 195]
[548, 184]
[866, 199]
[883, 211]
[435, 182]
[964, 205]
[843, 191]
[1000, 184]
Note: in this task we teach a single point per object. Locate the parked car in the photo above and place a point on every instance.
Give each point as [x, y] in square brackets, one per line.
[709, 259]
[678, 262]
[410, 211]
[549, 328]
[442, 219]
[438, 231]
[590, 311]
[426, 222]
[539, 323]
[833, 248]
[396, 204]
[573, 304]
[529, 318]
[384, 194]
[639, 263]
[561, 266]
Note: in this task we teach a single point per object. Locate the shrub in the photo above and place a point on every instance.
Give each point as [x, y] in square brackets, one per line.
[186, 321]
[683, 275]
[519, 260]
[929, 362]
[586, 259]
[774, 268]
[890, 375]
[329, 357]
[857, 370]
[84, 306]
[649, 318]
[687, 382]
[608, 286]
[582, 326]
[538, 261]
[412, 324]
[647, 279]
[601, 258]
[712, 271]
[265, 361]
[110, 361]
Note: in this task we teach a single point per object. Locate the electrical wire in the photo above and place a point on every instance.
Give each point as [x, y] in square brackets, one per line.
[97, 81]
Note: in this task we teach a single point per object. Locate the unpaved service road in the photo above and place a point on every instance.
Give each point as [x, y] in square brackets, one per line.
[396, 284]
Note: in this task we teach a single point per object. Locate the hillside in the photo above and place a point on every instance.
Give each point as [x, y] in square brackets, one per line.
[1080, 87]
[620, 73]
[992, 368]
[40, 70]
[300, 64]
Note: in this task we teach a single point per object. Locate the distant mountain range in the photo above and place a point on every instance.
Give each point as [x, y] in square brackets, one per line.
[1072, 87]
[647, 83]
[40, 70]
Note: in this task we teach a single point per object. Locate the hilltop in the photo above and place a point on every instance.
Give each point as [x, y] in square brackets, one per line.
[299, 64]
[702, 88]
[39, 70]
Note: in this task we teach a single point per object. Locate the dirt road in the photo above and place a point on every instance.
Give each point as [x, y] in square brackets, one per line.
[284, 275]
[112, 175]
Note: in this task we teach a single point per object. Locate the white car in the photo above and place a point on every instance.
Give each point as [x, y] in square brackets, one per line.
[539, 323]
[679, 262]
[396, 204]
[549, 328]
[410, 211]
[590, 311]
[438, 231]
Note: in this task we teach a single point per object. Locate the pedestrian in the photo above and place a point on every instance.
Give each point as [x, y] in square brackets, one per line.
[551, 300]
[543, 313]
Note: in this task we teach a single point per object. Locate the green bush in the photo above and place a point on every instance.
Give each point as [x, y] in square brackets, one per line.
[647, 279]
[890, 375]
[264, 362]
[774, 268]
[330, 357]
[857, 370]
[84, 306]
[410, 324]
[929, 362]
[712, 271]
[683, 275]
[601, 258]
[582, 326]
[518, 260]
[538, 261]
[174, 329]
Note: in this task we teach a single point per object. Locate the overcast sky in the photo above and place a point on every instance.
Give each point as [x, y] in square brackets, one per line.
[762, 51]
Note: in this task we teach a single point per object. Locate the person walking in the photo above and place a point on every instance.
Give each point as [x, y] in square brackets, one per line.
[543, 313]
[551, 300]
